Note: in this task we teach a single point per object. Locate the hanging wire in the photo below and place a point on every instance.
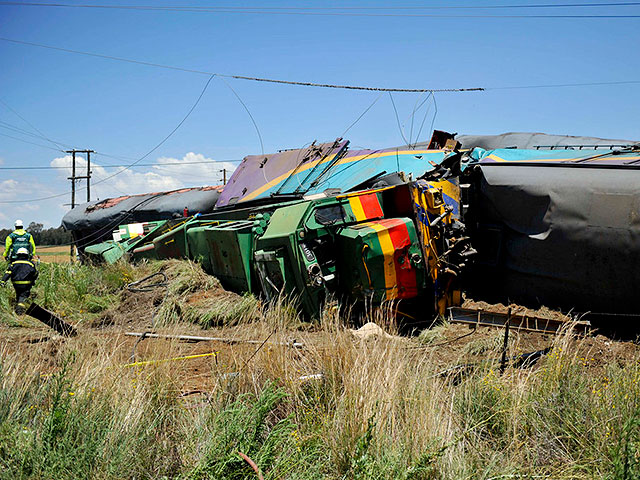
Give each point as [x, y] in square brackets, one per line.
[362, 114]
[255, 125]
[184, 119]
[397, 119]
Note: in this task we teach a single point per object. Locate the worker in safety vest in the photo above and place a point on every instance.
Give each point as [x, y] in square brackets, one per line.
[23, 275]
[16, 240]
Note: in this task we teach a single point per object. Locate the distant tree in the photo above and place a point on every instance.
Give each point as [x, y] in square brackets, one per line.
[4, 233]
[53, 236]
[35, 229]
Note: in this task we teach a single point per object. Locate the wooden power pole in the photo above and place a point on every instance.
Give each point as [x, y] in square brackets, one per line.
[75, 177]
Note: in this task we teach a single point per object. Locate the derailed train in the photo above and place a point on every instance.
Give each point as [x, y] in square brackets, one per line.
[416, 226]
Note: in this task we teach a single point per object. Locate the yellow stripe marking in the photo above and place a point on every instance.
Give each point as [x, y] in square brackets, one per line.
[448, 188]
[152, 362]
[390, 282]
[356, 207]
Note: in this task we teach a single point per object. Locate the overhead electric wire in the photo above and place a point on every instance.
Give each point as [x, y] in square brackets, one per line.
[30, 124]
[346, 12]
[318, 85]
[395, 110]
[243, 77]
[32, 143]
[255, 125]
[426, 114]
[22, 131]
[203, 162]
[128, 166]
[362, 114]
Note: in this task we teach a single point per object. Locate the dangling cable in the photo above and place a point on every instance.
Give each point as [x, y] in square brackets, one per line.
[397, 119]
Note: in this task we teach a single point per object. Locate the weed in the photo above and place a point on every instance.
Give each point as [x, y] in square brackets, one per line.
[339, 408]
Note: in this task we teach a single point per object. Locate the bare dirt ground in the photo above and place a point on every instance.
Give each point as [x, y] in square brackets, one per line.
[450, 345]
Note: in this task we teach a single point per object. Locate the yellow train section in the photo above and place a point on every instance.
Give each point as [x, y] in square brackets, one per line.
[437, 220]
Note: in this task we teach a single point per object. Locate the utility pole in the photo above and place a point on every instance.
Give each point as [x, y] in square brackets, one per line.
[224, 176]
[75, 177]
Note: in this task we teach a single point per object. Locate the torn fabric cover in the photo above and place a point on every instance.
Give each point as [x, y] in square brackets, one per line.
[562, 236]
[95, 221]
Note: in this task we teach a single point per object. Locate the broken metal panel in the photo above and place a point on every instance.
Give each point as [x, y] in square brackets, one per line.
[556, 235]
[361, 166]
[532, 140]
[325, 167]
[587, 158]
[260, 176]
[524, 322]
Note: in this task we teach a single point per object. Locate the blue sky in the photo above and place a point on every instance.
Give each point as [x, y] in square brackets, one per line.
[124, 109]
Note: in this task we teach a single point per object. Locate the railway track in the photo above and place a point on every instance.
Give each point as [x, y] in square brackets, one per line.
[529, 323]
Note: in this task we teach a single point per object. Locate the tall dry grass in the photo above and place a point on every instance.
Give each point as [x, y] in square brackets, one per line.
[341, 407]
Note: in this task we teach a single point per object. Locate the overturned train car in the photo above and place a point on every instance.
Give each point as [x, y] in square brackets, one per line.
[402, 243]
[556, 228]
[553, 227]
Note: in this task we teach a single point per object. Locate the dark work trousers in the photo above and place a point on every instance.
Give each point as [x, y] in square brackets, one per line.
[22, 294]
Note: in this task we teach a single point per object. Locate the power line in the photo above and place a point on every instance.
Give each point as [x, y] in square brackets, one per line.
[362, 114]
[203, 162]
[242, 77]
[132, 164]
[395, 110]
[320, 85]
[347, 12]
[255, 125]
[32, 143]
[201, 8]
[30, 124]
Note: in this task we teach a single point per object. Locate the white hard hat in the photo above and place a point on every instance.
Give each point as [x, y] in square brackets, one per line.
[19, 224]
[22, 251]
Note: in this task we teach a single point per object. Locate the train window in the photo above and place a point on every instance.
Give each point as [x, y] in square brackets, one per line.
[330, 215]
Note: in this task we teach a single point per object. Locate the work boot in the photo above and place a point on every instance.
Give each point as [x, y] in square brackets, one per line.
[20, 309]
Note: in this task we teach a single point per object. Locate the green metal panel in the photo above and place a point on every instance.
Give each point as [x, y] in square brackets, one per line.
[284, 223]
[225, 251]
[361, 263]
[109, 251]
[171, 244]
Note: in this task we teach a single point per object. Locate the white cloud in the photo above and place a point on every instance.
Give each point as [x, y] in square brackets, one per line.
[167, 174]
[12, 190]
[194, 166]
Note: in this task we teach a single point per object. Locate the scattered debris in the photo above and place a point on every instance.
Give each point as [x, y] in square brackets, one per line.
[195, 338]
[50, 319]
[369, 330]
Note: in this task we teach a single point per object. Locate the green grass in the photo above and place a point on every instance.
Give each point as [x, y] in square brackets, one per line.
[81, 293]
[378, 411]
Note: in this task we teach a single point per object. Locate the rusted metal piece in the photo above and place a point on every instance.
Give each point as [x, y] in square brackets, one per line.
[252, 464]
[528, 323]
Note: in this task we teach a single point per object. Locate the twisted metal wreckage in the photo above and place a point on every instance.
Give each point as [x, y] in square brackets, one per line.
[549, 221]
